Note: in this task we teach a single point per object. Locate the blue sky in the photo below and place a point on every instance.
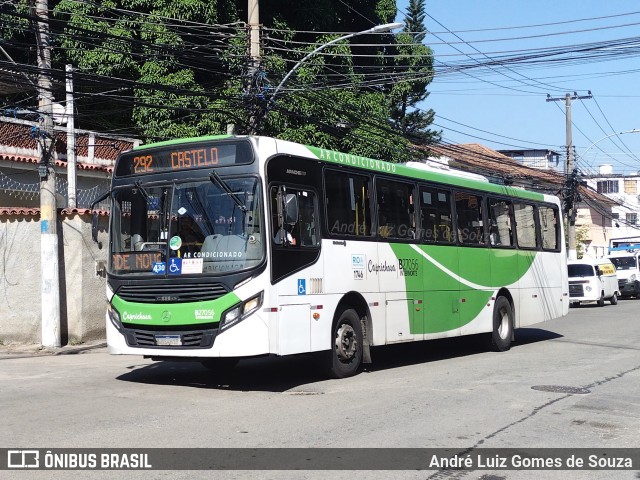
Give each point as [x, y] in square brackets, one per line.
[505, 107]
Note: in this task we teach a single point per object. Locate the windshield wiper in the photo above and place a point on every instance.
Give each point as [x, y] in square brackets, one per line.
[215, 178]
[144, 193]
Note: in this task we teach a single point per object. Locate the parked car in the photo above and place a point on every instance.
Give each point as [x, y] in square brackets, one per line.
[592, 281]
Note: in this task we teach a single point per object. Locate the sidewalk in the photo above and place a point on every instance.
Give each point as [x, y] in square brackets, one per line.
[35, 349]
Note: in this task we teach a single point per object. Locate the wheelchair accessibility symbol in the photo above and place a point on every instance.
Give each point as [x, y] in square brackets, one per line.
[175, 267]
[302, 286]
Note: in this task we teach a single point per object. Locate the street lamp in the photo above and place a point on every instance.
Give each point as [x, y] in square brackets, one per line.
[635, 130]
[377, 29]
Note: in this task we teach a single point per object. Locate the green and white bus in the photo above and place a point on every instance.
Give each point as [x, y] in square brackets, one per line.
[226, 247]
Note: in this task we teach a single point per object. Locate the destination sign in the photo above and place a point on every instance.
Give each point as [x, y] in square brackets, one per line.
[185, 156]
[135, 261]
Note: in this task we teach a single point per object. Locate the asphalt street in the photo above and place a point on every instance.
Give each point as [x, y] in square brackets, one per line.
[570, 383]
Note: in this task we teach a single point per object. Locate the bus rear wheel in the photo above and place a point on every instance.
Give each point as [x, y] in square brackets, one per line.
[502, 325]
[346, 345]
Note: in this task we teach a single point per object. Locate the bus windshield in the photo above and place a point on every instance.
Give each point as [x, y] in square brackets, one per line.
[189, 228]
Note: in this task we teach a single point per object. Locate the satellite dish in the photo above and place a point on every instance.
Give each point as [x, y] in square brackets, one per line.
[59, 114]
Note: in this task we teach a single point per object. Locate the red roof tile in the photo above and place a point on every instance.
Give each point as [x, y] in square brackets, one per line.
[35, 212]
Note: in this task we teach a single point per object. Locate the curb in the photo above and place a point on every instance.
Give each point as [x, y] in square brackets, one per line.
[27, 351]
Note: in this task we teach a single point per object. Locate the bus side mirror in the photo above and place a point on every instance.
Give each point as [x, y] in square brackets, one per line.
[94, 228]
[290, 209]
[598, 272]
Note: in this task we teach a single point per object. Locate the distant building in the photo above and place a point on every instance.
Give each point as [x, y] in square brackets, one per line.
[623, 219]
[536, 158]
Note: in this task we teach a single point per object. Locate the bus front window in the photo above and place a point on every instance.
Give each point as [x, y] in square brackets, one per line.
[187, 228]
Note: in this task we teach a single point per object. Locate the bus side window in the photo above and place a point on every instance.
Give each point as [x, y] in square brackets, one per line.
[307, 231]
[347, 203]
[395, 209]
[500, 230]
[469, 218]
[549, 227]
[525, 225]
[435, 215]
[302, 232]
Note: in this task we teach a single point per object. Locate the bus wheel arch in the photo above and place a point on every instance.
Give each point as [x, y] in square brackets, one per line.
[503, 332]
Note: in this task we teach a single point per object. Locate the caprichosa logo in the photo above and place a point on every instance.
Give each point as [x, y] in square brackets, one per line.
[381, 267]
[135, 316]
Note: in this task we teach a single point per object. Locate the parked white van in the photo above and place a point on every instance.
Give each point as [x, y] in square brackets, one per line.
[592, 281]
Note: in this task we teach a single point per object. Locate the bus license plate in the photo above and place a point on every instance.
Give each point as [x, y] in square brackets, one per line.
[168, 340]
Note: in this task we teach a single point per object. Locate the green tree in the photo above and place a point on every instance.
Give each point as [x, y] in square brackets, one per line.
[415, 60]
[162, 69]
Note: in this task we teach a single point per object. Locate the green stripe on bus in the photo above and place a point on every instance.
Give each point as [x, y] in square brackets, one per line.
[447, 274]
[174, 314]
[180, 141]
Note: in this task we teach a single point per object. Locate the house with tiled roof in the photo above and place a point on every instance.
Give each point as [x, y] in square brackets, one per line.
[20, 154]
[82, 298]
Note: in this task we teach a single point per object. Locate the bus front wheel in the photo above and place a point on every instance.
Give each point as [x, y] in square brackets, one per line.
[502, 325]
[346, 345]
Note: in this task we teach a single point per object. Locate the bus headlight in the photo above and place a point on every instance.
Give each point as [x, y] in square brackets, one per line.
[588, 288]
[241, 311]
[632, 278]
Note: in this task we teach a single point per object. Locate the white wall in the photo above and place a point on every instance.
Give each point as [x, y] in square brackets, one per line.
[82, 293]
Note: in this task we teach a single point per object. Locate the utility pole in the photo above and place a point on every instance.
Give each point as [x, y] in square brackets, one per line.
[50, 282]
[253, 10]
[71, 140]
[570, 172]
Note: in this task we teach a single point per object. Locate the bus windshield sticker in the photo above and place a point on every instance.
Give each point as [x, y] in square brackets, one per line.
[175, 266]
[192, 265]
[159, 268]
[175, 243]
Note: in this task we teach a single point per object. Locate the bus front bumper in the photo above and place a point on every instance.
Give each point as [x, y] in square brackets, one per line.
[250, 337]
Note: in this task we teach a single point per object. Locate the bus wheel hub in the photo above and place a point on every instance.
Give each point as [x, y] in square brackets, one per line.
[346, 343]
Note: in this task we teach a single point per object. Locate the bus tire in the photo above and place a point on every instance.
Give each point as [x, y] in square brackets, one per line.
[346, 345]
[502, 325]
[614, 299]
[600, 301]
